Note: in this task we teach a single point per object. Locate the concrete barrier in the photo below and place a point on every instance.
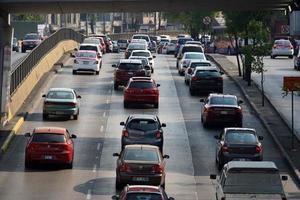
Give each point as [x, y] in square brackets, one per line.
[44, 66]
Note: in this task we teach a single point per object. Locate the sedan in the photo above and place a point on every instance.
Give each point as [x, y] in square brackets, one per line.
[49, 145]
[220, 108]
[87, 61]
[143, 129]
[142, 90]
[282, 47]
[192, 66]
[238, 144]
[187, 58]
[140, 164]
[61, 101]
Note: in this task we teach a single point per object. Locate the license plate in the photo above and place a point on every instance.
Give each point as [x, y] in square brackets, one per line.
[48, 157]
[140, 179]
[224, 112]
[85, 62]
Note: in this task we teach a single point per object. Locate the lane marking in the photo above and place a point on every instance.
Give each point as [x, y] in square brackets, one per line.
[104, 114]
[101, 128]
[89, 194]
[98, 146]
[95, 168]
[107, 101]
[196, 195]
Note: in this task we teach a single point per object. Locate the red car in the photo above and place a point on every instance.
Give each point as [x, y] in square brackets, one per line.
[49, 145]
[143, 192]
[141, 90]
[221, 109]
[103, 45]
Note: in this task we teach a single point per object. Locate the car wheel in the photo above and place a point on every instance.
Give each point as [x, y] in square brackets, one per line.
[97, 72]
[152, 70]
[220, 164]
[74, 72]
[116, 86]
[181, 73]
[272, 57]
[70, 165]
[156, 105]
[177, 65]
[45, 116]
[76, 116]
[119, 185]
[126, 104]
[163, 185]
[205, 124]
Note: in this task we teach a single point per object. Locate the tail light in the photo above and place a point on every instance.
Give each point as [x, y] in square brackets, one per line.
[32, 147]
[258, 149]
[75, 61]
[125, 133]
[158, 169]
[209, 109]
[150, 58]
[158, 134]
[194, 78]
[225, 148]
[124, 168]
[238, 111]
[220, 78]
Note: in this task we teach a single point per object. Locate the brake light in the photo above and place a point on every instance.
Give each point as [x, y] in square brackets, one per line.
[125, 133]
[124, 168]
[32, 147]
[291, 46]
[157, 169]
[258, 149]
[209, 109]
[75, 61]
[224, 148]
[194, 78]
[158, 134]
[238, 111]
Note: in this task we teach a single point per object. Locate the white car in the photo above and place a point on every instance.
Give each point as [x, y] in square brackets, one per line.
[282, 47]
[142, 36]
[192, 66]
[147, 54]
[91, 47]
[87, 61]
[171, 47]
[186, 58]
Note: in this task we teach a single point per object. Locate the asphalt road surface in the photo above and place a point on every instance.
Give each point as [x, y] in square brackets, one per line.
[16, 58]
[190, 146]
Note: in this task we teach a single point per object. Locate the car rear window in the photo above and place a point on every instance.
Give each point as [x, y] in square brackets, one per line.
[240, 137]
[223, 100]
[141, 85]
[184, 40]
[173, 41]
[195, 64]
[86, 54]
[283, 42]
[31, 37]
[141, 155]
[141, 37]
[143, 125]
[144, 60]
[143, 196]
[207, 73]
[88, 48]
[144, 54]
[60, 95]
[191, 49]
[137, 46]
[194, 56]
[91, 41]
[130, 66]
[48, 137]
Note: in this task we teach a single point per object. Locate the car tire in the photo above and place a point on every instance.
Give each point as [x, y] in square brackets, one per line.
[45, 116]
[116, 86]
[70, 165]
[74, 72]
[75, 117]
[204, 124]
[97, 72]
[272, 57]
[163, 185]
[181, 73]
[126, 104]
[119, 185]
[156, 105]
[220, 165]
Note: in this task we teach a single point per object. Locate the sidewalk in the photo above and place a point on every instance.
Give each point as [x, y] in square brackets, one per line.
[268, 115]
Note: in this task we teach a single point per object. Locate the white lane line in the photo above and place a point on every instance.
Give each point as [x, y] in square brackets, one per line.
[104, 114]
[101, 129]
[98, 146]
[95, 168]
[89, 194]
[196, 195]
[107, 101]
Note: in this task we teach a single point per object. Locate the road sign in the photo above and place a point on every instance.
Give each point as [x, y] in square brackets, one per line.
[291, 83]
[206, 20]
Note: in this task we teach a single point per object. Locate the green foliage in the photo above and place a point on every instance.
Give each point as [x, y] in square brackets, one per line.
[29, 18]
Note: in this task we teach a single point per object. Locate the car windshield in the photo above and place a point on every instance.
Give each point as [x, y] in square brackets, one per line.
[192, 49]
[141, 85]
[144, 60]
[207, 73]
[141, 53]
[31, 37]
[122, 41]
[60, 95]
[184, 40]
[143, 124]
[130, 66]
[86, 54]
[194, 56]
[283, 42]
[143, 196]
[91, 41]
[253, 183]
[223, 100]
[196, 64]
[88, 48]
[141, 155]
[173, 41]
[48, 137]
[137, 46]
[141, 37]
[240, 137]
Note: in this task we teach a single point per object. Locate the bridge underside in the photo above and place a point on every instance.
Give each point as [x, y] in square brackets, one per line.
[82, 6]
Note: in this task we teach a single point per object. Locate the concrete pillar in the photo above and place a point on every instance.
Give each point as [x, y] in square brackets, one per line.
[5, 66]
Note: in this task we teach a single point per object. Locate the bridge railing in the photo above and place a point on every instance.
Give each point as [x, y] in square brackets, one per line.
[19, 74]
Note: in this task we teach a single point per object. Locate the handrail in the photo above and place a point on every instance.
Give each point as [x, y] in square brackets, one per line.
[19, 74]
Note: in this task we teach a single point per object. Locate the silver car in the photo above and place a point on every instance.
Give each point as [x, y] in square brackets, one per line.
[282, 47]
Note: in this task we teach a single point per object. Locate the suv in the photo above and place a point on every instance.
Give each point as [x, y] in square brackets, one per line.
[125, 69]
[142, 36]
[30, 41]
[188, 48]
[143, 129]
[249, 180]
[206, 79]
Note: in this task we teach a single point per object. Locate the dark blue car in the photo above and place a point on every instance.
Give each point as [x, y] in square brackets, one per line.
[180, 42]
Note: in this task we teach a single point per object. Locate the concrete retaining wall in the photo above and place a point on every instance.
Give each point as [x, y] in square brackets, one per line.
[44, 66]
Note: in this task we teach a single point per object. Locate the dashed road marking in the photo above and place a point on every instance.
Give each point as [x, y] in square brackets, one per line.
[101, 128]
[98, 145]
[104, 114]
[89, 194]
[107, 101]
[95, 168]
[196, 195]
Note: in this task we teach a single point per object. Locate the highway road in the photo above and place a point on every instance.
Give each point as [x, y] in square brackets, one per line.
[190, 146]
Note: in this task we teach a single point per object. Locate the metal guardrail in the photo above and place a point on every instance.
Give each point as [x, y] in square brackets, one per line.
[25, 67]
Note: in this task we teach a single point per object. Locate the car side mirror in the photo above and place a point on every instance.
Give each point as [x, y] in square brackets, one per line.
[114, 65]
[216, 137]
[284, 178]
[116, 155]
[240, 101]
[157, 85]
[122, 123]
[163, 125]
[166, 156]
[213, 176]
[27, 135]
[115, 197]
[99, 55]
[154, 56]
[260, 137]
[43, 95]
[73, 136]
[202, 100]
[78, 96]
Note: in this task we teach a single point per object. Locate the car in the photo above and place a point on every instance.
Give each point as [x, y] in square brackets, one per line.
[165, 37]
[171, 46]
[145, 53]
[30, 41]
[187, 58]
[91, 47]
[155, 39]
[123, 43]
[116, 48]
[142, 90]
[15, 45]
[153, 46]
[282, 47]
[296, 47]
[142, 36]
[125, 69]
[221, 109]
[297, 61]
[140, 164]
[49, 145]
[145, 63]
[107, 41]
[94, 41]
[180, 42]
[141, 41]
[102, 43]
[88, 61]
[188, 48]
[249, 180]
[134, 46]
[143, 129]
[131, 192]
[206, 79]
[238, 144]
[61, 101]
[192, 66]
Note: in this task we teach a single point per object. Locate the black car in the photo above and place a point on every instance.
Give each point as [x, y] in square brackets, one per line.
[206, 79]
[238, 144]
[143, 129]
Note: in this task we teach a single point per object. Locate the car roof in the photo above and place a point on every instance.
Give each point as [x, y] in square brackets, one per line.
[239, 129]
[141, 146]
[206, 68]
[138, 57]
[221, 95]
[141, 78]
[143, 188]
[200, 60]
[89, 44]
[251, 165]
[61, 89]
[190, 52]
[142, 50]
[192, 45]
[56, 130]
[134, 61]
[86, 51]
[143, 116]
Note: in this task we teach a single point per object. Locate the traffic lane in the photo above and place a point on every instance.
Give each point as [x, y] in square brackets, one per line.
[44, 183]
[180, 182]
[202, 140]
[16, 58]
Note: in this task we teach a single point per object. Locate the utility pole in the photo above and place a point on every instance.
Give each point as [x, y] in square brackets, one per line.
[86, 25]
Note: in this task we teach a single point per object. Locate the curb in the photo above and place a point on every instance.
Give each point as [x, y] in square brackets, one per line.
[295, 171]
